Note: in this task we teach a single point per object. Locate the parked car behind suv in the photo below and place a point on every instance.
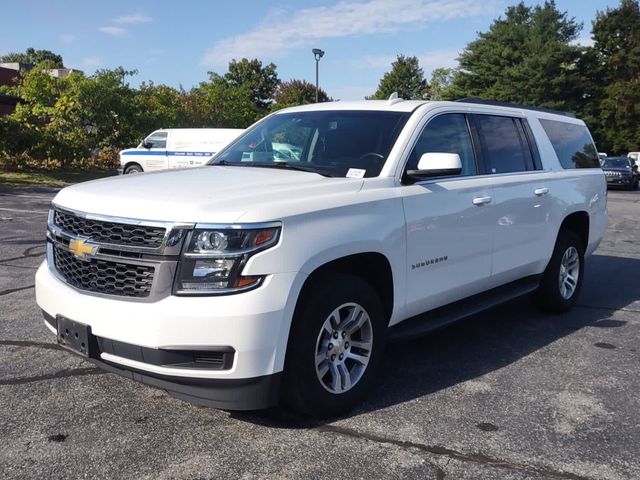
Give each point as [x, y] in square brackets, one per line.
[264, 278]
[621, 172]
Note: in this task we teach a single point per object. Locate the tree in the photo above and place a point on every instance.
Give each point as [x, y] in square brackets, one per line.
[527, 57]
[216, 103]
[440, 84]
[297, 92]
[406, 77]
[617, 63]
[34, 57]
[161, 106]
[262, 81]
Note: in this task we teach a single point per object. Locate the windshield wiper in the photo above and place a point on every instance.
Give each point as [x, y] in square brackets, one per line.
[288, 166]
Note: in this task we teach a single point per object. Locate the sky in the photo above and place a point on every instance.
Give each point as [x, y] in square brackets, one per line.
[178, 42]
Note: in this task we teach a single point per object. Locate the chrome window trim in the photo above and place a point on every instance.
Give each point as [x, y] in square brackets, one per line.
[476, 177]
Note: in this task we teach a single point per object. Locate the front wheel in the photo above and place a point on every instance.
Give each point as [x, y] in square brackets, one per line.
[335, 346]
[562, 279]
[132, 169]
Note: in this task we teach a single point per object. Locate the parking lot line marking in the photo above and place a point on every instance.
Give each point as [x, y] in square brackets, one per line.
[26, 196]
[76, 372]
[13, 290]
[477, 458]
[39, 212]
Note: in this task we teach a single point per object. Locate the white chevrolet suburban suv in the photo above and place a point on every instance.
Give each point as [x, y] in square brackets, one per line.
[260, 279]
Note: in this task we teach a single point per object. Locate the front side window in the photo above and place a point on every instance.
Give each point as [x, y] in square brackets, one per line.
[502, 144]
[572, 143]
[331, 143]
[446, 133]
[157, 140]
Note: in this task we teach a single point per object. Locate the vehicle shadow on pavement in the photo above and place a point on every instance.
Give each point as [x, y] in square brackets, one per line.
[485, 342]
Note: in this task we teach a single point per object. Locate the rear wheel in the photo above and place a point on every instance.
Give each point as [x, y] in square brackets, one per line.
[562, 279]
[335, 346]
[131, 169]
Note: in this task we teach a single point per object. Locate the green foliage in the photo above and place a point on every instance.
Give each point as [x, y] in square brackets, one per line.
[297, 92]
[440, 85]
[405, 77]
[216, 103]
[81, 121]
[34, 57]
[615, 85]
[527, 57]
[261, 81]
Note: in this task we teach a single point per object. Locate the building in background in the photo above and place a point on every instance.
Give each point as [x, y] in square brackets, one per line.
[8, 76]
[9, 73]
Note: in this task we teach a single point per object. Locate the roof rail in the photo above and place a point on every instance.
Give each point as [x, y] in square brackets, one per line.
[481, 101]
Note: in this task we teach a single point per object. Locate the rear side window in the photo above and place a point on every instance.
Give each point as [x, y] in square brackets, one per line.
[503, 145]
[572, 144]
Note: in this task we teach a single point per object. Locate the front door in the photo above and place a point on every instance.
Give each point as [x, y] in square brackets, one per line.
[450, 222]
[155, 155]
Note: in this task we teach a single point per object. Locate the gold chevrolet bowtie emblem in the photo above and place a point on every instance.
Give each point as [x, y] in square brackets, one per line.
[80, 248]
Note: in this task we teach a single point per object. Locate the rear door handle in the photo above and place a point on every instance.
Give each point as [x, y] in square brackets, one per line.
[541, 191]
[481, 200]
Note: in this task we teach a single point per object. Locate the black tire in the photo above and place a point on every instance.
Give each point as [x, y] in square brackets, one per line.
[549, 295]
[634, 186]
[131, 169]
[303, 391]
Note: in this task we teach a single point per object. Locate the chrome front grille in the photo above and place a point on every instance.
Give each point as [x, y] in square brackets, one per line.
[103, 276]
[112, 233]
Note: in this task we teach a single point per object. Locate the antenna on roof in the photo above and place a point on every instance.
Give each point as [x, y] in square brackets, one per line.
[393, 98]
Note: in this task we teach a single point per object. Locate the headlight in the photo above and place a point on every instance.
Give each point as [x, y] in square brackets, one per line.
[213, 259]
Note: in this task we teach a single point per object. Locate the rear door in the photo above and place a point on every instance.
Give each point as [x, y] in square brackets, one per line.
[522, 195]
[449, 221]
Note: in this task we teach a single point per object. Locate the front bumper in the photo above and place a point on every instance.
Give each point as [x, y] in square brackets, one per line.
[620, 180]
[254, 325]
[231, 394]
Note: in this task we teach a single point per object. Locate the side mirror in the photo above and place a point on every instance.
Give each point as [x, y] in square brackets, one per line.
[436, 165]
[145, 144]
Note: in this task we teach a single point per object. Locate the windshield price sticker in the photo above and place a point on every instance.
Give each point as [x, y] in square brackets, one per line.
[356, 173]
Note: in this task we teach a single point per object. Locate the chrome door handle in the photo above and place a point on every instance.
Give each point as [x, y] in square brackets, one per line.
[541, 191]
[481, 200]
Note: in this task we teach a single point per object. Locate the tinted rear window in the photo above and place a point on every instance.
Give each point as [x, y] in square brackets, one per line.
[502, 145]
[572, 144]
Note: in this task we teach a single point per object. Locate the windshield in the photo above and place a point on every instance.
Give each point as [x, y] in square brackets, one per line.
[616, 163]
[334, 143]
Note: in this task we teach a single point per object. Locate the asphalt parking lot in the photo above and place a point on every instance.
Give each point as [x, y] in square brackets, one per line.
[508, 394]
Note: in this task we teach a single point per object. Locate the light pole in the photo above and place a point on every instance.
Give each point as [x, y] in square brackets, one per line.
[318, 54]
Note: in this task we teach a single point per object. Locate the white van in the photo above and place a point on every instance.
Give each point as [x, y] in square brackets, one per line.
[634, 157]
[176, 148]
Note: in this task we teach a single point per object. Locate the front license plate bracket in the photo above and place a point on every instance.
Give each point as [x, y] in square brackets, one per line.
[73, 335]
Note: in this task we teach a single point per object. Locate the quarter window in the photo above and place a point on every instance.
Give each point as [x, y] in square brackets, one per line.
[572, 143]
[502, 143]
[447, 133]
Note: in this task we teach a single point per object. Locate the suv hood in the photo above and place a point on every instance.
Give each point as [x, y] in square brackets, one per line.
[212, 194]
